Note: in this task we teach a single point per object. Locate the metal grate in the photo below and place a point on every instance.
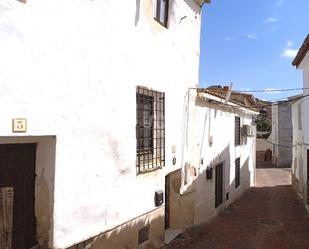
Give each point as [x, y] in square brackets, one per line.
[143, 235]
[237, 130]
[237, 172]
[150, 130]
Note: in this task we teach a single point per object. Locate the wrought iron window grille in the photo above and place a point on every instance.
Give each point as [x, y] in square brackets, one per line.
[150, 130]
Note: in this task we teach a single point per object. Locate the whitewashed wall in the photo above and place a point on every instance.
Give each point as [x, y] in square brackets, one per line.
[213, 142]
[274, 131]
[71, 68]
[305, 68]
[301, 137]
[298, 140]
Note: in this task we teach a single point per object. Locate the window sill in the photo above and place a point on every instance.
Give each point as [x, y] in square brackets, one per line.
[161, 23]
[149, 171]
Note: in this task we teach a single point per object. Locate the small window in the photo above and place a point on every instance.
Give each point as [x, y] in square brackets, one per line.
[161, 11]
[237, 172]
[237, 130]
[150, 130]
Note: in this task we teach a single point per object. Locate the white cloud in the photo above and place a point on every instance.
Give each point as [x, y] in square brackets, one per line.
[270, 20]
[252, 36]
[228, 38]
[288, 51]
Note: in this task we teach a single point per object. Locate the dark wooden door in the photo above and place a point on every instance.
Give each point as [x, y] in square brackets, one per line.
[219, 185]
[308, 177]
[17, 181]
[167, 206]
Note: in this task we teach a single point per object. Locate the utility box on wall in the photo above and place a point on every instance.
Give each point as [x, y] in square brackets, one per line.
[209, 173]
[159, 198]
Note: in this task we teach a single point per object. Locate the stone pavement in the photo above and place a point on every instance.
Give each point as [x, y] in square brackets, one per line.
[268, 216]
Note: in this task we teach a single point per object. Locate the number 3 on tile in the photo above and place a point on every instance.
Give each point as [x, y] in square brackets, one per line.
[19, 125]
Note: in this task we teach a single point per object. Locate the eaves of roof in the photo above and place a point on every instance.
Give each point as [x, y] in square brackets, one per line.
[218, 94]
[201, 2]
[301, 52]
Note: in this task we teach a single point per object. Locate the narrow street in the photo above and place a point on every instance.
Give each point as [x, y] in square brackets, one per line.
[268, 216]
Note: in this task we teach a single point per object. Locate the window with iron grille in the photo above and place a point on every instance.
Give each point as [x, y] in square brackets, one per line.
[161, 11]
[237, 172]
[237, 130]
[150, 130]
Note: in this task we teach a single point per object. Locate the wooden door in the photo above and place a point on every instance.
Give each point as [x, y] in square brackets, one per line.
[219, 185]
[167, 206]
[308, 177]
[17, 182]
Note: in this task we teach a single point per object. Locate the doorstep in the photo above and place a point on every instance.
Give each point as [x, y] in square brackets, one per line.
[171, 234]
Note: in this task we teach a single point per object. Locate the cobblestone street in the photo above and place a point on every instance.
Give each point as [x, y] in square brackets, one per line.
[268, 216]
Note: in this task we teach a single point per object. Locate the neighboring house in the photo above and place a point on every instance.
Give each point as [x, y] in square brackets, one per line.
[282, 134]
[300, 168]
[92, 121]
[221, 150]
[298, 145]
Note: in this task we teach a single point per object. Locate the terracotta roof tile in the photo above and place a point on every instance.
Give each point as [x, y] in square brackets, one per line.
[301, 53]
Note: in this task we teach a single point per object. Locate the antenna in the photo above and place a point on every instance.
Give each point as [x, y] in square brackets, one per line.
[229, 92]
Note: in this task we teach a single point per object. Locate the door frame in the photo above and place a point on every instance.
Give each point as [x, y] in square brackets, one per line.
[167, 204]
[44, 182]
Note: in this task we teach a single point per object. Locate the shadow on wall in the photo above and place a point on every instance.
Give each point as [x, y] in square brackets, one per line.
[193, 6]
[207, 195]
[137, 11]
[144, 232]
[147, 231]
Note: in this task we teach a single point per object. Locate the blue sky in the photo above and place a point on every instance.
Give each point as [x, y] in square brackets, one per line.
[252, 44]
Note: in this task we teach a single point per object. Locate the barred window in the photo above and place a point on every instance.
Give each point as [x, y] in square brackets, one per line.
[237, 130]
[237, 172]
[150, 130]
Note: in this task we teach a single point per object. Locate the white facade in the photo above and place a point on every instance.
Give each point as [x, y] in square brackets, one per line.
[71, 68]
[298, 165]
[301, 134]
[213, 143]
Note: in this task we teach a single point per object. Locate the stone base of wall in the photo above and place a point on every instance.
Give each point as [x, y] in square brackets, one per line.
[144, 232]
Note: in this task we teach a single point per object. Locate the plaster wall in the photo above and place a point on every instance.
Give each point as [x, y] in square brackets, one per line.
[213, 143]
[285, 135]
[305, 100]
[274, 131]
[71, 68]
[282, 134]
[301, 136]
[298, 168]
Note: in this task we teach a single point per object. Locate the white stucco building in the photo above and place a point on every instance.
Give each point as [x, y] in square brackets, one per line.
[92, 96]
[221, 148]
[300, 119]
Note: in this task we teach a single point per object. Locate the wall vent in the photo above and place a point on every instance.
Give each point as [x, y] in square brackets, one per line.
[143, 235]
